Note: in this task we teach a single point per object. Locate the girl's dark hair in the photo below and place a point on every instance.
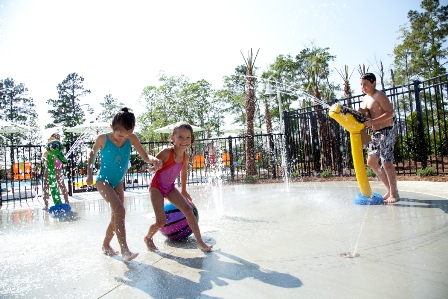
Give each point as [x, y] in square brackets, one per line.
[184, 125]
[124, 120]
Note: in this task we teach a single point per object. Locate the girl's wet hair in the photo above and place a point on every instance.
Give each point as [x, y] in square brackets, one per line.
[184, 125]
[123, 120]
[369, 77]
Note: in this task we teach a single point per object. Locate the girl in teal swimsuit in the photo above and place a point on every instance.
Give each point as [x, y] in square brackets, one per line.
[115, 155]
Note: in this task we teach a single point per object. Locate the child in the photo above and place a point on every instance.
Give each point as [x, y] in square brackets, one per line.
[59, 175]
[115, 155]
[174, 161]
[383, 137]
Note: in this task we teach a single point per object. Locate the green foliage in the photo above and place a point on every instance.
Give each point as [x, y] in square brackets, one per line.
[178, 99]
[411, 141]
[370, 172]
[67, 109]
[250, 179]
[136, 162]
[296, 175]
[18, 108]
[428, 171]
[442, 145]
[422, 52]
[110, 107]
[232, 94]
[327, 173]
[313, 65]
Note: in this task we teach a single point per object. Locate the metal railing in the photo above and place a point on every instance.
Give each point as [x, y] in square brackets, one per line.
[212, 159]
[316, 143]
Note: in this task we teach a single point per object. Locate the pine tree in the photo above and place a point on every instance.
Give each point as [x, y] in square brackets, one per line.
[67, 109]
[110, 107]
[17, 107]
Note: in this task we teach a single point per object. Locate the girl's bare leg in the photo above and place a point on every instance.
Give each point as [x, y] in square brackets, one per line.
[177, 199]
[157, 205]
[116, 198]
[61, 184]
[46, 189]
[107, 249]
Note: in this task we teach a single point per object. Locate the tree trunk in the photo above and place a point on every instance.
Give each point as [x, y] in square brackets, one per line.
[250, 114]
[267, 113]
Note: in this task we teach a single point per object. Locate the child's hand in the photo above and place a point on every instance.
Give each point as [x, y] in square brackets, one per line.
[368, 122]
[89, 180]
[157, 163]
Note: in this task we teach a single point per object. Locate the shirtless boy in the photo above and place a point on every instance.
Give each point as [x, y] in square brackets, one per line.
[383, 137]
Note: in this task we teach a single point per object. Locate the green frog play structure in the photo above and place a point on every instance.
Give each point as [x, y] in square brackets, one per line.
[54, 148]
[353, 122]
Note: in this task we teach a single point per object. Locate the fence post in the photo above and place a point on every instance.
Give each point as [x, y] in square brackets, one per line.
[315, 151]
[338, 150]
[286, 144]
[420, 129]
[272, 156]
[69, 170]
[232, 167]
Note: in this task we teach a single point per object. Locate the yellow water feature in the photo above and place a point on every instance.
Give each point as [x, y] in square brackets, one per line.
[347, 118]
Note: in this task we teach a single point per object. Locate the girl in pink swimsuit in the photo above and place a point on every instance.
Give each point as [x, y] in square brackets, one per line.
[174, 161]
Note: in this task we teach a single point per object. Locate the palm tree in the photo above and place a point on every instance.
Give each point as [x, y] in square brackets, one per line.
[346, 78]
[250, 107]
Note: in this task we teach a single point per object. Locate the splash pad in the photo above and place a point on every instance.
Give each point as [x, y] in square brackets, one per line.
[266, 241]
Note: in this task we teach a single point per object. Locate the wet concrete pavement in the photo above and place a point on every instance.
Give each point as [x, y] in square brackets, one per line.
[270, 241]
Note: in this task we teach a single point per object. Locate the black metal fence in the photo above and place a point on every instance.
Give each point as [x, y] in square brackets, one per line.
[213, 159]
[312, 143]
[316, 143]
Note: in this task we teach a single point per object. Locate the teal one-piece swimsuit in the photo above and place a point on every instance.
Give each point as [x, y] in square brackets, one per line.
[114, 162]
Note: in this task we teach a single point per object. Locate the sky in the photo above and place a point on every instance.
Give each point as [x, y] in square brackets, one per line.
[119, 47]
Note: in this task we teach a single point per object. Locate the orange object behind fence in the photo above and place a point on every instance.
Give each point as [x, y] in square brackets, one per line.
[257, 157]
[21, 170]
[226, 159]
[198, 161]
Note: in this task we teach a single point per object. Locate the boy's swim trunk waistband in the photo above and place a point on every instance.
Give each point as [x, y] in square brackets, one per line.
[383, 129]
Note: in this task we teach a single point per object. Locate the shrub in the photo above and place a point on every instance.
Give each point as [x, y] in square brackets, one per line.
[295, 175]
[428, 171]
[326, 174]
[250, 179]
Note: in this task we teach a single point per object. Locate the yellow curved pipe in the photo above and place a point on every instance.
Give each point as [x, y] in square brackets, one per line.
[349, 122]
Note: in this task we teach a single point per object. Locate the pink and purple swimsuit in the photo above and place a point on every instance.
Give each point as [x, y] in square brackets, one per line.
[163, 179]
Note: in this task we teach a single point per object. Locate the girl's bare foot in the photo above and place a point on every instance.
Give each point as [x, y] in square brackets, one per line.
[205, 247]
[45, 209]
[129, 256]
[108, 250]
[150, 244]
[386, 196]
